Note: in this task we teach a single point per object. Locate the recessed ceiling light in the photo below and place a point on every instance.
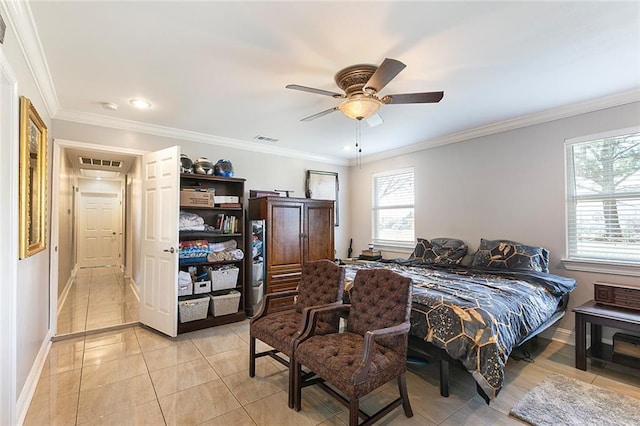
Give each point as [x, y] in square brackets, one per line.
[346, 148]
[110, 106]
[140, 103]
[265, 138]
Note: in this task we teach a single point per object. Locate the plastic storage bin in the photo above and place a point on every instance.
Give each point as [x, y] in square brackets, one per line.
[257, 293]
[193, 309]
[257, 273]
[224, 278]
[225, 304]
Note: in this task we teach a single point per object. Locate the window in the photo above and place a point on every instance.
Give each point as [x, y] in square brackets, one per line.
[603, 198]
[392, 210]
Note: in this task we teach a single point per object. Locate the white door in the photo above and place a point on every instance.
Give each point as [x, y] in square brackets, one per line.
[99, 222]
[159, 290]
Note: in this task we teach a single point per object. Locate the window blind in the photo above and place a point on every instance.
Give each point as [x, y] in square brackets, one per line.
[603, 199]
[393, 207]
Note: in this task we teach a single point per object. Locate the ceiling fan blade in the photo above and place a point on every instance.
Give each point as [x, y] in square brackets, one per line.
[413, 98]
[387, 70]
[312, 90]
[320, 114]
[374, 120]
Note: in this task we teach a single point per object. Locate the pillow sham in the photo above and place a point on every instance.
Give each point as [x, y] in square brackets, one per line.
[439, 251]
[420, 249]
[447, 251]
[505, 254]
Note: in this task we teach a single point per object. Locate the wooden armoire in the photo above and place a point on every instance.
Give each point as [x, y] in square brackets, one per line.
[296, 231]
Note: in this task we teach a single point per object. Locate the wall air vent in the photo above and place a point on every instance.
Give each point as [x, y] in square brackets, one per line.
[101, 163]
[265, 138]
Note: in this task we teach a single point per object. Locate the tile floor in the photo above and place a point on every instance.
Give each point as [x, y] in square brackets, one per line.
[135, 376]
[98, 298]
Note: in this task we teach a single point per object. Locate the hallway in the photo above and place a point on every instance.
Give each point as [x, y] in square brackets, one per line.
[98, 298]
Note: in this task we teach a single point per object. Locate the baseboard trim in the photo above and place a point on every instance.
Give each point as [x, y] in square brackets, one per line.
[561, 335]
[65, 292]
[95, 331]
[134, 288]
[29, 388]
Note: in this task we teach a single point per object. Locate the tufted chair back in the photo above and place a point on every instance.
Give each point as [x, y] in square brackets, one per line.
[322, 282]
[380, 298]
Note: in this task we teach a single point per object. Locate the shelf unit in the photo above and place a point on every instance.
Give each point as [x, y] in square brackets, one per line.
[223, 187]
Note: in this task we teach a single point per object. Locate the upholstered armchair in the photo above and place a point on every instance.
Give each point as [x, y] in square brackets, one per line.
[369, 353]
[321, 284]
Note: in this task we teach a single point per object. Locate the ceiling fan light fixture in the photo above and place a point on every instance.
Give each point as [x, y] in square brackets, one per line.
[360, 107]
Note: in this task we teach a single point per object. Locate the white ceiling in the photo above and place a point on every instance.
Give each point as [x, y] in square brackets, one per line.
[219, 69]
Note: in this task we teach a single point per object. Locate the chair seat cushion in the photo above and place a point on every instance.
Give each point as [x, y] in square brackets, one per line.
[336, 357]
[279, 329]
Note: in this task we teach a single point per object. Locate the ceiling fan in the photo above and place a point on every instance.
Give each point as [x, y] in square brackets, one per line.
[361, 85]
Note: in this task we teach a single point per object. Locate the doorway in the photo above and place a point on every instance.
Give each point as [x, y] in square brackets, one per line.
[91, 260]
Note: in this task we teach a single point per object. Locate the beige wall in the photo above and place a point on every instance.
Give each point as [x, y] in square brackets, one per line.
[66, 245]
[133, 221]
[504, 186]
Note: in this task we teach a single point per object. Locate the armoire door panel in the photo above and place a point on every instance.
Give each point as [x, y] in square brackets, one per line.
[284, 245]
[319, 236]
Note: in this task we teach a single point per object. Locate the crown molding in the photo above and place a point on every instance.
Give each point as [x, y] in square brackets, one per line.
[21, 20]
[170, 132]
[553, 114]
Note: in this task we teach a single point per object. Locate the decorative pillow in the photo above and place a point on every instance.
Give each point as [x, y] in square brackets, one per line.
[439, 251]
[447, 251]
[420, 249]
[505, 254]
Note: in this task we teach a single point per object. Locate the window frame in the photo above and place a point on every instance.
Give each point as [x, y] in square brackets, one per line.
[375, 208]
[589, 264]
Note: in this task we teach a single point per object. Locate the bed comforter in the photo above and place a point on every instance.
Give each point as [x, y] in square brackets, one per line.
[476, 315]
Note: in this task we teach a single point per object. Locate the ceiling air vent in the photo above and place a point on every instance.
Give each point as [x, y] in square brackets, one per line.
[102, 163]
[265, 138]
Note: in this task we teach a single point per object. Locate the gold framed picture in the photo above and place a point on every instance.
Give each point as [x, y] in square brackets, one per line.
[33, 180]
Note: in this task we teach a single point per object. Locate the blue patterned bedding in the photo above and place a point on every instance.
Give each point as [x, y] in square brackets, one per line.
[477, 316]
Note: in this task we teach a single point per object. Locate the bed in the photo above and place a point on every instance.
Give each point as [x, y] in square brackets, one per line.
[475, 309]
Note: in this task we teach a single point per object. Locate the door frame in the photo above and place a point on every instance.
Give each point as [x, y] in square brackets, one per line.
[58, 146]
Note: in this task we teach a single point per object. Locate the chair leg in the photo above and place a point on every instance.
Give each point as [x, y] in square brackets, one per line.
[297, 385]
[353, 412]
[252, 356]
[402, 387]
[292, 383]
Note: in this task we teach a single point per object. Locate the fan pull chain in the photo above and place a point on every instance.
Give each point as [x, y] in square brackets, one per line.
[358, 143]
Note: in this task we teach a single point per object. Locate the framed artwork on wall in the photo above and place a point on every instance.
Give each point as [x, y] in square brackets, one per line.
[324, 186]
[33, 180]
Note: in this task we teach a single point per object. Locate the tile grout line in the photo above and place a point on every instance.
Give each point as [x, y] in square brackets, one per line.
[155, 392]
